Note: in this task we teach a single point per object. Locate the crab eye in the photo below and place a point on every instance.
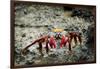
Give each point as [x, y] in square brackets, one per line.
[48, 36]
[80, 33]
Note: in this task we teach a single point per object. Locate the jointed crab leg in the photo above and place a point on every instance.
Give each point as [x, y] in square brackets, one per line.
[39, 41]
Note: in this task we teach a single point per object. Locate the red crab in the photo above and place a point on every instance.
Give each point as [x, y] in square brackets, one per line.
[51, 41]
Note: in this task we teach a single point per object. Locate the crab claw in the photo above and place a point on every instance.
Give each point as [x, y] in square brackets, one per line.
[64, 41]
[52, 42]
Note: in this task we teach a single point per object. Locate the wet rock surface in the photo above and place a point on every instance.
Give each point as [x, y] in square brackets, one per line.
[33, 20]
